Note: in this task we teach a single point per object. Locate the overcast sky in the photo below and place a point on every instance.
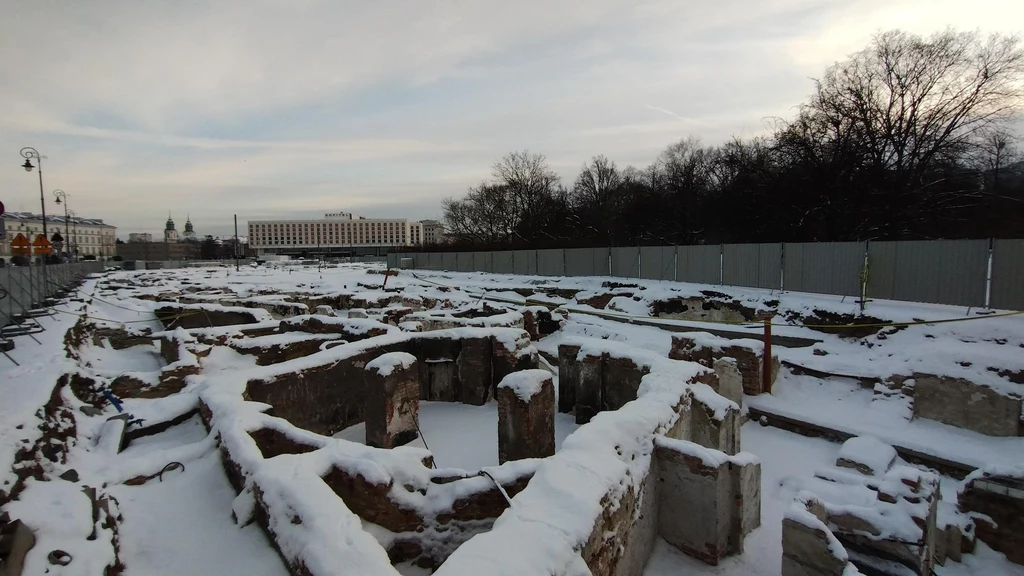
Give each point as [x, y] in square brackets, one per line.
[293, 109]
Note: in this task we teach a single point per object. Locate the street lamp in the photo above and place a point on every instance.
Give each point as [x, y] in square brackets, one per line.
[62, 198]
[28, 153]
[75, 218]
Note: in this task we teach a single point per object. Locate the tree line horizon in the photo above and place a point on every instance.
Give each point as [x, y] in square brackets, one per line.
[910, 138]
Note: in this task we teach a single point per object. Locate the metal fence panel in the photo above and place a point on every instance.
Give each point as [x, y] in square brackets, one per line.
[658, 262]
[586, 262]
[501, 262]
[824, 267]
[464, 261]
[754, 265]
[739, 264]
[392, 259]
[626, 262]
[449, 261]
[769, 266]
[551, 262]
[939, 271]
[435, 261]
[482, 261]
[525, 262]
[1008, 274]
[700, 264]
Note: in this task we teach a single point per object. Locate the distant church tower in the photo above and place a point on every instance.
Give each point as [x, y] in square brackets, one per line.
[170, 234]
[190, 233]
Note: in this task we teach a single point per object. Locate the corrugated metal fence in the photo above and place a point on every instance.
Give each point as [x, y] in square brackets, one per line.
[958, 272]
[23, 288]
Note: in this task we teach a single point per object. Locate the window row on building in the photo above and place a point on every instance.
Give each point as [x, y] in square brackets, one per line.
[343, 230]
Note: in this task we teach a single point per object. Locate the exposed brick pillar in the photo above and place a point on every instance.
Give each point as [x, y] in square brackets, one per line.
[997, 496]
[568, 377]
[620, 382]
[474, 365]
[526, 416]
[589, 388]
[392, 400]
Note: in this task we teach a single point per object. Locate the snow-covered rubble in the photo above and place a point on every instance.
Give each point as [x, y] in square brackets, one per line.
[329, 502]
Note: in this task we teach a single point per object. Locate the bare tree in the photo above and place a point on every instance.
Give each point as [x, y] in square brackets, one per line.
[911, 101]
[594, 197]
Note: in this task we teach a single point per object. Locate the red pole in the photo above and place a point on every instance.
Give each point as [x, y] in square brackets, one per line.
[766, 362]
[386, 274]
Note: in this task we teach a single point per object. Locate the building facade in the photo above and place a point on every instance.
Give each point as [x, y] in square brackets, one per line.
[159, 250]
[82, 236]
[140, 237]
[338, 233]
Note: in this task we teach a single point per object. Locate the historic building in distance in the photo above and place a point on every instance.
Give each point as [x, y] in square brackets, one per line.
[140, 245]
[340, 234]
[87, 236]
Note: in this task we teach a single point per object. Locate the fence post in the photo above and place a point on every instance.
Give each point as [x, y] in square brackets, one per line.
[988, 274]
[766, 361]
[721, 264]
[864, 276]
[782, 267]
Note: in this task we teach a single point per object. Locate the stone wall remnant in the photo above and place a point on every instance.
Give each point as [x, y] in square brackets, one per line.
[526, 415]
[704, 349]
[995, 499]
[206, 316]
[896, 533]
[964, 404]
[392, 400]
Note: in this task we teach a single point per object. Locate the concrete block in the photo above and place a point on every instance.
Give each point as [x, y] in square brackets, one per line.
[707, 501]
[714, 428]
[392, 400]
[324, 310]
[806, 551]
[526, 416]
[866, 455]
[16, 539]
[730, 381]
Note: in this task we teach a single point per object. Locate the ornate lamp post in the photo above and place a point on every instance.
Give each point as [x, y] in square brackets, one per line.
[28, 153]
[62, 198]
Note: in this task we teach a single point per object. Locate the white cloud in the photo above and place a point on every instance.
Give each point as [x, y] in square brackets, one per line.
[250, 106]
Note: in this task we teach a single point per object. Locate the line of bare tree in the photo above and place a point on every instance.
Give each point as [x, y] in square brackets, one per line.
[908, 139]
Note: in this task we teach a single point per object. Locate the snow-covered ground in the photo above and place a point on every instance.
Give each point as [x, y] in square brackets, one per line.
[461, 436]
[183, 525]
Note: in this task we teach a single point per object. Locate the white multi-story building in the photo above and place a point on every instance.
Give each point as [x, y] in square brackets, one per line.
[88, 236]
[136, 237]
[336, 233]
